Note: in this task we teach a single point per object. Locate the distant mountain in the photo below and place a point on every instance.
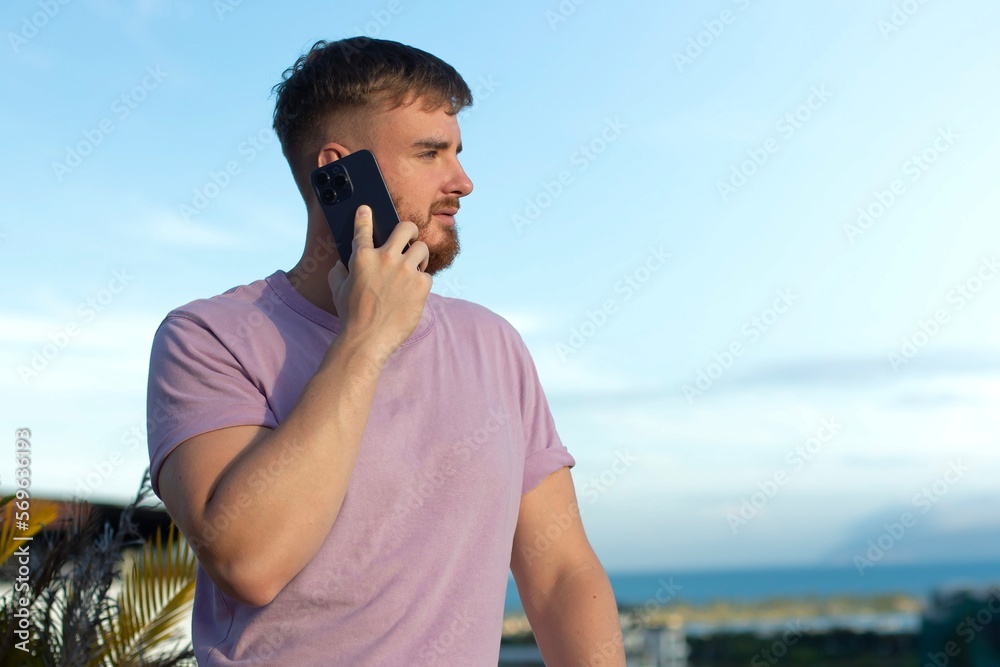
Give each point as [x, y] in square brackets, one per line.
[965, 530]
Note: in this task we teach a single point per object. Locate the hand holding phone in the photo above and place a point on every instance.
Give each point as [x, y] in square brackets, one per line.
[387, 307]
[345, 184]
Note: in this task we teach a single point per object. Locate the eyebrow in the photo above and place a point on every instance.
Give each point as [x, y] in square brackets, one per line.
[436, 144]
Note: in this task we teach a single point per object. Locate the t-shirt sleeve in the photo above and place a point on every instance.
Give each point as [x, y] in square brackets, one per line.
[196, 385]
[544, 452]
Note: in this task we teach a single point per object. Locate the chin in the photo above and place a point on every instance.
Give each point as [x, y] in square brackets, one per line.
[444, 252]
[442, 240]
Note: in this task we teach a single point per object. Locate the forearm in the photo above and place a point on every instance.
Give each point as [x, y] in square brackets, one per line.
[577, 623]
[290, 484]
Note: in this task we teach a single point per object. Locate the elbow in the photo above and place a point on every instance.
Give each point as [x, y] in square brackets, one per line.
[254, 598]
[246, 581]
[254, 594]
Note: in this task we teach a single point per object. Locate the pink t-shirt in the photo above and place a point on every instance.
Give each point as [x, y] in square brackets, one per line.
[414, 570]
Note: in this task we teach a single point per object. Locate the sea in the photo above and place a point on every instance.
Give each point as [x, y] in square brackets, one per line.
[759, 584]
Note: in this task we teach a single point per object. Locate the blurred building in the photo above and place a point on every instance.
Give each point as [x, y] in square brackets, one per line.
[644, 647]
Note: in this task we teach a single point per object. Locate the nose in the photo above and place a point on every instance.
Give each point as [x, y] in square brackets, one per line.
[460, 183]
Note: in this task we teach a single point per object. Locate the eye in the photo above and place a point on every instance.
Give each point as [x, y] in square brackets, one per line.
[428, 155]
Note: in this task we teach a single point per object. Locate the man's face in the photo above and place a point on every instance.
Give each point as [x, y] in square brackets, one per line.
[417, 151]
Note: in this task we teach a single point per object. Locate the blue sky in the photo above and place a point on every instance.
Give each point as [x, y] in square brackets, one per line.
[663, 192]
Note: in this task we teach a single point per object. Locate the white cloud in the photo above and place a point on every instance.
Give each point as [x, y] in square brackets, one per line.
[105, 355]
[171, 228]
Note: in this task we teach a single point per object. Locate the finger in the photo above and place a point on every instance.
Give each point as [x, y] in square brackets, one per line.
[363, 228]
[337, 277]
[403, 233]
[417, 256]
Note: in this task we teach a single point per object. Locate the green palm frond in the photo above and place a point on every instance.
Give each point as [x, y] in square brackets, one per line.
[42, 513]
[77, 620]
[155, 597]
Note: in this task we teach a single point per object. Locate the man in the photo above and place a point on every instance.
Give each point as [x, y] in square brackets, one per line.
[358, 462]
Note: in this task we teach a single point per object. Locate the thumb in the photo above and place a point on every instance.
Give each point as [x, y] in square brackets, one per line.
[337, 277]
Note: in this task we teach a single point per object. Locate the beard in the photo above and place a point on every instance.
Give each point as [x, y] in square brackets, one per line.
[442, 240]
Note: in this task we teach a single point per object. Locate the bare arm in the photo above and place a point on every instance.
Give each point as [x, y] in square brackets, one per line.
[257, 503]
[566, 594]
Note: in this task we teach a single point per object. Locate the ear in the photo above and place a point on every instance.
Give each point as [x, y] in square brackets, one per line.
[330, 152]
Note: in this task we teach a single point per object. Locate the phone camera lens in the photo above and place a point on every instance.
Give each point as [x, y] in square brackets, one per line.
[339, 181]
[328, 196]
[322, 178]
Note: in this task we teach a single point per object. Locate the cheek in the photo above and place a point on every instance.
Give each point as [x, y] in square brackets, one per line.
[397, 175]
[393, 183]
[402, 174]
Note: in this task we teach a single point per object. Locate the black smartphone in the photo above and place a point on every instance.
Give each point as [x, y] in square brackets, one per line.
[345, 184]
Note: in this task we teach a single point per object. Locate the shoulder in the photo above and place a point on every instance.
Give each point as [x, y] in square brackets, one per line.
[486, 335]
[235, 300]
[473, 317]
[219, 316]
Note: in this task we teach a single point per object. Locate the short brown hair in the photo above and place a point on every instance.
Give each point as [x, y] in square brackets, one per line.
[354, 74]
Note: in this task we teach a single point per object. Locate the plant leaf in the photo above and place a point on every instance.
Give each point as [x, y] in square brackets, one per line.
[41, 513]
[156, 595]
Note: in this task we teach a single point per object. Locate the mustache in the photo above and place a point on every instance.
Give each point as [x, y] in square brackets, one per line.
[445, 203]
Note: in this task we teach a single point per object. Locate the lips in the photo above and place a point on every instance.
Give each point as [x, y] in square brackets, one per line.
[446, 215]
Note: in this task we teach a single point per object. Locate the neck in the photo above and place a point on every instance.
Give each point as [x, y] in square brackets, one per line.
[309, 275]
